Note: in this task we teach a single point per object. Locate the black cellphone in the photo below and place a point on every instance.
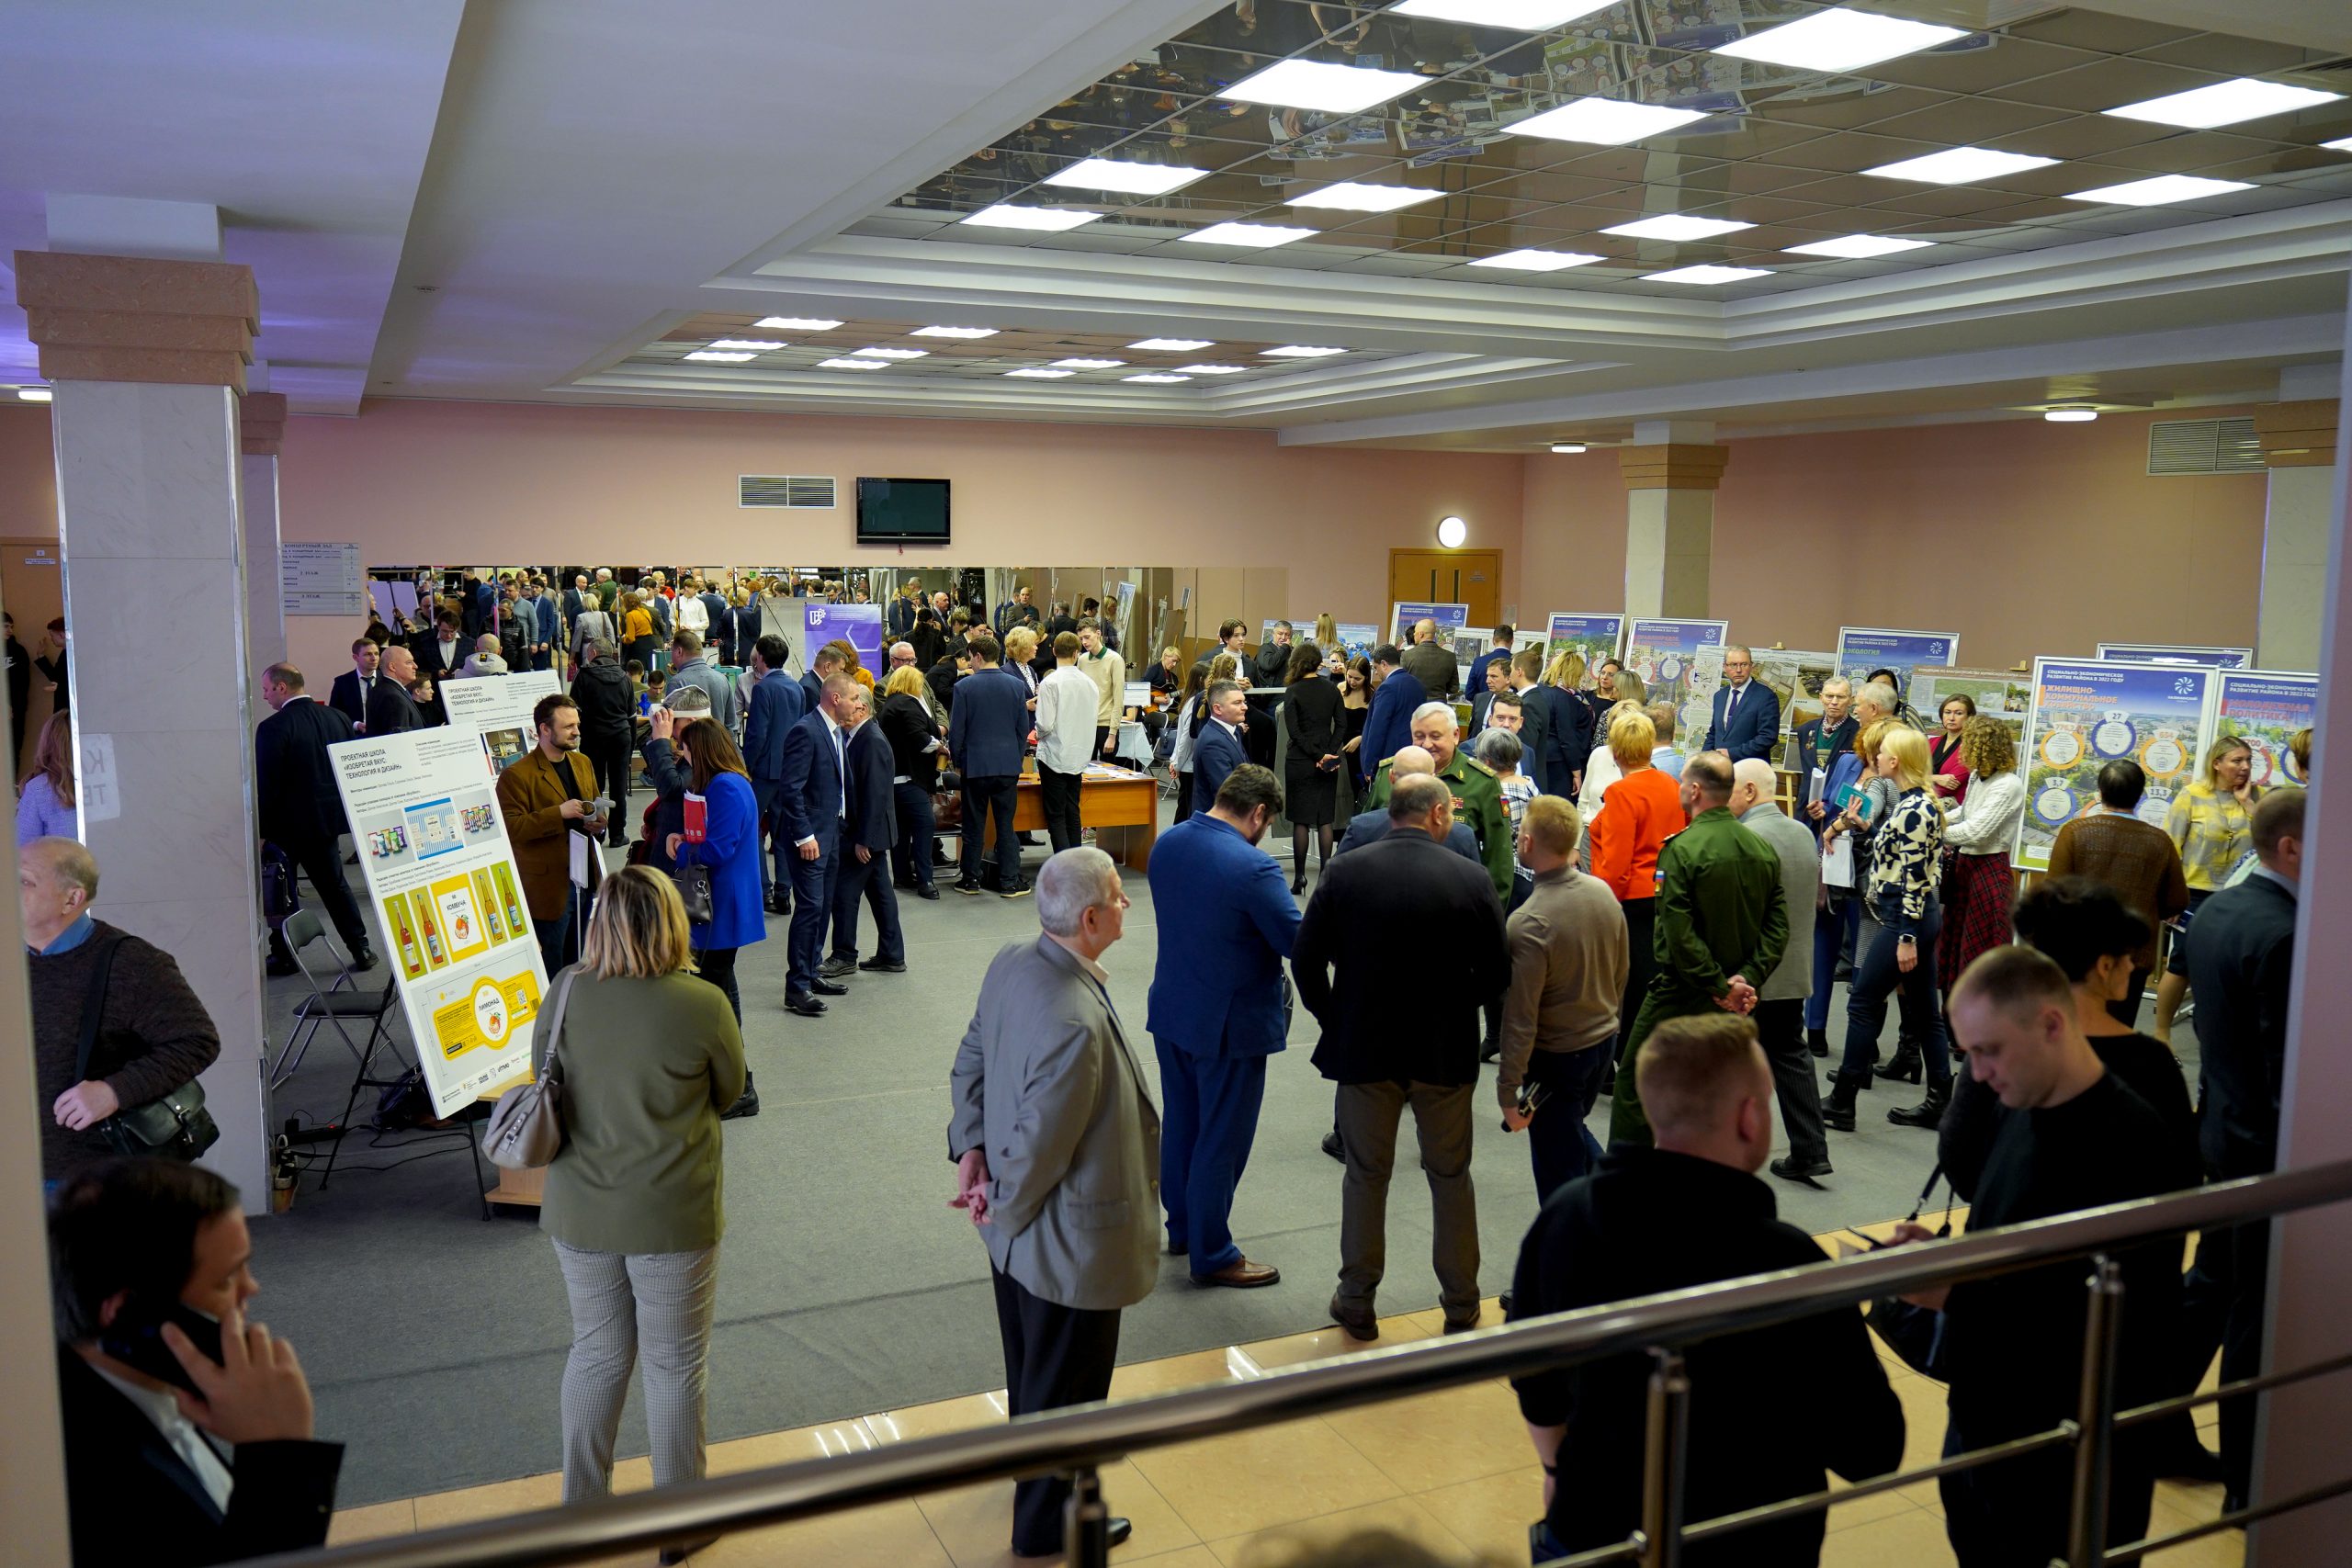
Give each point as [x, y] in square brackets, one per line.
[135, 1339]
[1871, 1242]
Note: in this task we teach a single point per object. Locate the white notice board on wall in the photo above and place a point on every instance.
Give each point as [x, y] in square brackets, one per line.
[321, 579]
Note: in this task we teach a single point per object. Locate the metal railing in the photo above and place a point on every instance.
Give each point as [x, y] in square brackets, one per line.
[1078, 1441]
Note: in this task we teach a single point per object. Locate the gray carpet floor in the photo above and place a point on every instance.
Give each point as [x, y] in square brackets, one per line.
[434, 1341]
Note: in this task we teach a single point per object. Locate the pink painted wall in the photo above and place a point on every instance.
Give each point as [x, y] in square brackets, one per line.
[1572, 536]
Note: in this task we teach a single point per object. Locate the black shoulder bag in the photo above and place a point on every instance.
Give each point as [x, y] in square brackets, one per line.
[174, 1126]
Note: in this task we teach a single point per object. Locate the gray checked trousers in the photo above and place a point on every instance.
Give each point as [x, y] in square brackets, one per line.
[654, 1305]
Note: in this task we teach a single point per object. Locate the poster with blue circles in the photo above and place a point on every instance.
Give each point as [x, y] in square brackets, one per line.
[2086, 714]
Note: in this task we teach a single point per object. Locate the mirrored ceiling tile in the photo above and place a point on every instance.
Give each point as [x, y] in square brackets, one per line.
[1850, 152]
[2087, 136]
[2184, 153]
[2102, 84]
[1971, 122]
[2103, 31]
[1730, 136]
[2277, 162]
[1941, 201]
[2235, 56]
[1543, 188]
[2003, 61]
[1842, 103]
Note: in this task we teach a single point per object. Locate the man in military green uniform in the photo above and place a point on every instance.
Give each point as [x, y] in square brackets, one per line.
[1723, 923]
[1477, 793]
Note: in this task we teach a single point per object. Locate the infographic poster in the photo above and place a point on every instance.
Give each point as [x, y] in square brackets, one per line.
[1357, 639]
[859, 624]
[2086, 714]
[1862, 649]
[498, 708]
[2265, 708]
[1594, 637]
[2177, 653]
[1795, 676]
[441, 873]
[1997, 694]
[1660, 651]
[1450, 619]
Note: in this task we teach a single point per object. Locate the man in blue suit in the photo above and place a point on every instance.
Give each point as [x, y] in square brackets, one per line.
[1219, 750]
[1747, 712]
[1389, 724]
[1216, 1013]
[809, 805]
[988, 730]
[870, 827]
[775, 707]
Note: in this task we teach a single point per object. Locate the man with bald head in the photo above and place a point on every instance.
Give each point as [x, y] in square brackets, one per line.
[1780, 1001]
[1477, 790]
[390, 707]
[1431, 662]
[1371, 827]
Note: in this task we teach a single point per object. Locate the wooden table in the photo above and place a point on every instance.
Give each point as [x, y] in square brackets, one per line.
[525, 1187]
[1124, 813]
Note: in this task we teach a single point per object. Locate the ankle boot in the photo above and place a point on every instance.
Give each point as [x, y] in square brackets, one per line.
[1838, 1111]
[1929, 1112]
[1906, 1066]
[1817, 1041]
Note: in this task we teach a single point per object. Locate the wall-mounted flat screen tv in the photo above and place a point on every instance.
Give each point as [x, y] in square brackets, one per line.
[901, 512]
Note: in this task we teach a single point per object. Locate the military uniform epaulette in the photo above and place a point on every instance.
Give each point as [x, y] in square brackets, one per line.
[1477, 764]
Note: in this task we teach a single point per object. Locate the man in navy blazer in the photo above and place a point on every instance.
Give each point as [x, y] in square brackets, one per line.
[352, 689]
[810, 807]
[300, 808]
[1219, 750]
[775, 707]
[1747, 712]
[987, 731]
[869, 827]
[1216, 1012]
[1389, 724]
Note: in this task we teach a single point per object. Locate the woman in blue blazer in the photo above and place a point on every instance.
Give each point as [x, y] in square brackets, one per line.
[731, 847]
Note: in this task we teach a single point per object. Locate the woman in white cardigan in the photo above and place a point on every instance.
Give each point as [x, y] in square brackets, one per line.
[1979, 890]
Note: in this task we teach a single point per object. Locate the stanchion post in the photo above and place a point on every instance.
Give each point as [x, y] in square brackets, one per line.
[1086, 1521]
[1664, 1448]
[2095, 1443]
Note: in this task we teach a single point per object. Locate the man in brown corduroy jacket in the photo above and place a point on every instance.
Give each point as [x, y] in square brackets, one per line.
[545, 797]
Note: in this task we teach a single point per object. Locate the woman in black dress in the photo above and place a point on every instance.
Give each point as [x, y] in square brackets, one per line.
[1354, 682]
[1310, 716]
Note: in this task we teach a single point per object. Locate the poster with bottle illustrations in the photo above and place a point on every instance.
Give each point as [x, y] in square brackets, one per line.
[2177, 653]
[1862, 649]
[2003, 695]
[1594, 637]
[1795, 676]
[440, 872]
[498, 708]
[2085, 714]
[2265, 708]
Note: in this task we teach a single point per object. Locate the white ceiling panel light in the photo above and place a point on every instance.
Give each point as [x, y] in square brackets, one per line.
[1156, 379]
[890, 353]
[2341, 144]
[853, 365]
[2224, 102]
[1174, 344]
[1452, 531]
[1959, 166]
[1298, 351]
[1510, 16]
[34, 395]
[2161, 190]
[1245, 236]
[795, 324]
[1568, 448]
[1088, 363]
[1312, 84]
[1136, 179]
[754, 344]
[1675, 226]
[720, 356]
[1212, 369]
[1039, 372]
[951, 331]
[1860, 247]
[1526, 260]
[1705, 275]
[1603, 122]
[1044, 219]
[1840, 39]
[2075, 414]
[1353, 195]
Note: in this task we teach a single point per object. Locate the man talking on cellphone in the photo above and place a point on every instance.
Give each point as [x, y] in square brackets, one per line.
[176, 1455]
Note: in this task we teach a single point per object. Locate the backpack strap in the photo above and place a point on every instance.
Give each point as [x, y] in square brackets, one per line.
[92, 1007]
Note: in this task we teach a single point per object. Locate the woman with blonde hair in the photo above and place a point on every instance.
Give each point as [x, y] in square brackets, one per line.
[1639, 812]
[45, 806]
[1563, 741]
[648, 1055]
[2211, 822]
[1901, 921]
[1327, 632]
[1978, 887]
[1600, 768]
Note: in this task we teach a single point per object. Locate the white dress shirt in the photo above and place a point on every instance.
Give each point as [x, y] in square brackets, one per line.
[196, 1451]
[840, 772]
[1066, 706]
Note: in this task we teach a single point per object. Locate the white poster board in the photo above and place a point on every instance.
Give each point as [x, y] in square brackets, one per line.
[498, 709]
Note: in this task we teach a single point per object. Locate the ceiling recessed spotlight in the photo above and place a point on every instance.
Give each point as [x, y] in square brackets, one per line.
[1452, 531]
[2224, 102]
[2160, 190]
[1088, 363]
[1175, 344]
[1675, 226]
[1568, 448]
[34, 395]
[1138, 179]
[1298, 351]
[1959, 166]
[2071, 415]
[1707, 275]
[1859, 247]
[1353, 195]
[1511, 16]
[853, 365]
[952, 331]
[890, 353]
[1039, 372]
[1156, 379]
[1525, 260]
[719, 357]
[1840, 39]
[1049, 220]
[1252, 236]
[795, 323]
[1312, 84]
[754, 344]
[1604, 122]
[1213, 369]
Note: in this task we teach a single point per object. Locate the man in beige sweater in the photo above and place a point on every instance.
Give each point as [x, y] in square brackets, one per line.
[1109, 674]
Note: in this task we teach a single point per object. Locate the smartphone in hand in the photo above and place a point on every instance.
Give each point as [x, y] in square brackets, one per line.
[135, 1339]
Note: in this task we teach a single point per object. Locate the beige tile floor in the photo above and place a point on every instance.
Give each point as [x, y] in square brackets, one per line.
[1449, 1469]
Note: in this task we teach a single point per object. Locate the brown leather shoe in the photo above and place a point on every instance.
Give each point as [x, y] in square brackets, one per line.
[1360, 1324]
[1241, 1274]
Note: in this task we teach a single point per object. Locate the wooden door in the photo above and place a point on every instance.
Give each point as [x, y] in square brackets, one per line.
[33, 589]
[1448, 577]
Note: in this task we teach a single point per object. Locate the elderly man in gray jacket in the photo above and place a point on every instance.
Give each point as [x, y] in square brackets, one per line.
[1056, 1144]
[1780, 1005]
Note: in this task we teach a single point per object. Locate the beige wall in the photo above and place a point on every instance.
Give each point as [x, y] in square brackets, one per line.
[27, 473]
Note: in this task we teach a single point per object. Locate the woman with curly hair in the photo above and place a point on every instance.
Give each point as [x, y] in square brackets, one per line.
[1978, 887]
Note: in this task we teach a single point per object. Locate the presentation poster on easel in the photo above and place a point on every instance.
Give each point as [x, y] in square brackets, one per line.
[1661, 651]
[1592, 637]
[1862, 649]
[2003, 695]
[2086, 714]
[1449, 620]
[498, 708]
[440, 871]
[1796, 677]
[2177, 653]
[2265, 708]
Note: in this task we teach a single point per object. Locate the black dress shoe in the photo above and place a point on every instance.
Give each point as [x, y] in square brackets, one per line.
[824, 988]
[837, 967]
[1332, 1146]
[363, 960]
[673, 1555]
[928, 891]
[1817, 1041]
[278, 968]
[1490, 1051]
[880, 966]
[1116, 1529]
[1802, 1172]
[1360, 1324]
[746, 1103]
[807, 1007]
[1298, 884]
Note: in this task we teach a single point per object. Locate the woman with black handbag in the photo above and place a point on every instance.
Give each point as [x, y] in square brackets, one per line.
[717, 850]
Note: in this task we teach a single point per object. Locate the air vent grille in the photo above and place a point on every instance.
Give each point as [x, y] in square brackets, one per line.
[798, 491]
[2203, 446]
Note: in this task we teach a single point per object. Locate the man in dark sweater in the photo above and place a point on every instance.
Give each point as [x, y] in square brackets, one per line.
[2013, 1344]
[153, 1035]
[1816, 1385]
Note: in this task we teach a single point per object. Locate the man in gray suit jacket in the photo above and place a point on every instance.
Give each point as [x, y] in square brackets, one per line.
[1056, 1143]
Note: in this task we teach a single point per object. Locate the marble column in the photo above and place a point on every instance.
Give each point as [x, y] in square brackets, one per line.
[261, 426]
[2299, 445]
[1670, 474]
[147, 357]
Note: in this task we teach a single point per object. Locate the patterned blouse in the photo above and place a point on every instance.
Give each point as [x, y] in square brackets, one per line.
[1904, 859]
[2213, 831]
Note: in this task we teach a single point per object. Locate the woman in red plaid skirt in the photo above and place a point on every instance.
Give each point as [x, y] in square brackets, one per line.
[1979, 889]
